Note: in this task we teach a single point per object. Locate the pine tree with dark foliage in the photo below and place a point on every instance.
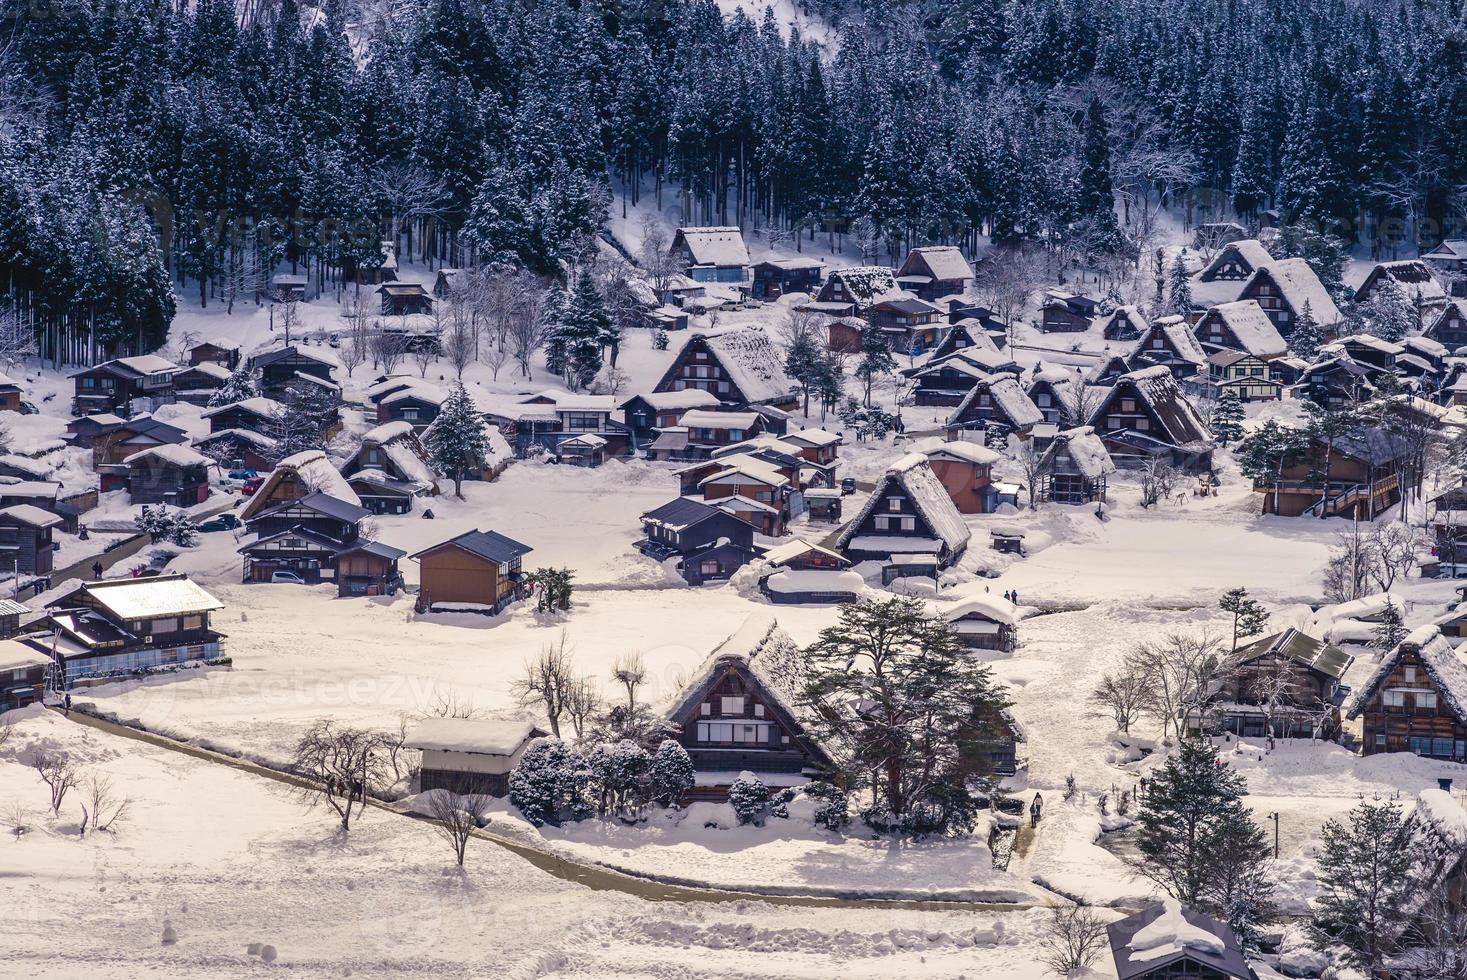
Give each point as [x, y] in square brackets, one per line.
[458, 440]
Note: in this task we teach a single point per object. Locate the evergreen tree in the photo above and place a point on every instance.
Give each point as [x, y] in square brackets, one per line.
[1227, 417]
[551, 783]
[554, 317]
[672, 776]
[876, 359]
[1306, 338]
[1096, 196]
[589, 330]
[749, 798]
[236, 388]
[1178, 289]
[805, 363]
[1391, 629]
[1389, 312]
[458, 439]
[1367, 881]
[1249, 616]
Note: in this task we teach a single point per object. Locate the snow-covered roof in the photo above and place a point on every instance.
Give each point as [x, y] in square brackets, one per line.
[473, 736]
[258, 405]
[424, 391]
[944, 261]
[175, 454]
[257, 439]
[148, 364]
[699, 419]
[868, 284]
[812, 438]
[752, 362]
[314, 470]
[968, 452]
[1160, 391]
[216, 371]
[1127, 314]
[32, 515]
[1171, 934]
[1439, 658]
[145, 598]
[387, 431]
[1250, 326]
[913, 474]
[673, 400]
[1086, 450]
[1378, 344]
[1008, 396]
[996, 608]
[590, 440]
[1183, 341]
[16, 655]
[1250, 250]
[720, 246]
[1299, 285]
[30, 467]
[788, 552]
[1413, 276]
[749, 466]
[815, 580]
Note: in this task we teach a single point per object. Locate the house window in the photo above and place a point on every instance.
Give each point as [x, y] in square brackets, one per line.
[883, 523]
[1410, 675]
[193, 622]
[1142, 425]
[894, 503]
[410, 414]
[708, 567]
[1380, 741]
[758, 711]
[1426, 699]
[739, 733]
[169, 625]
[735, 435]
[723, 387]
[1128, 404]
[731, 705]
[1393, 699]
[909, 523]
[705, 709]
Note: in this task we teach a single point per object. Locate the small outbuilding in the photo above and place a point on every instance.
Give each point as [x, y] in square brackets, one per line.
[470, 755]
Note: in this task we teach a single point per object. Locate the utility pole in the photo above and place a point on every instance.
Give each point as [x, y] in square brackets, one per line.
[1275, 816]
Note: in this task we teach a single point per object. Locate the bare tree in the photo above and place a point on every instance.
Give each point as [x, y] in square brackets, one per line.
[547, 680]
[394, 743]
[388, 349]
[1126, 694]
[1072, 939]
[1182, 669]
[461, 340]
[101, 807]
[1436, 942]
[427, 348]
[1394, 545]
[339, 766]
[659, 263]
[457, 817]
[1157, 480]
[495, 357]
[1079, 400]
[17, 339]
[447, 704]
[582, 702]
[1034, 463]
[630, 671]
[243, 275]
[7, 730]
[59, 774]
[1351, 567]
[1007, 279]
[410, 193]
[18, 818]
[1275, 685]
[526, 335]
[356, 345]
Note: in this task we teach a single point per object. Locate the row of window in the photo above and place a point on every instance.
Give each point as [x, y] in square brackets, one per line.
[730, 705]
[736, 733]
[1437, 748]
[1409, 699]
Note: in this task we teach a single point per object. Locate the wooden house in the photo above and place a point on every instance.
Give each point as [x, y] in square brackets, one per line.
[239, 448]
[1169, 942]
[908, 513]
[285, 366]
[417, 404]
[1337, 381]
[256, 414]
[978, 319]
[306, 536]
[395, 452]
[1283, 288]
[754, 490]
[643, 415]
[224, 353]
[125, 626]
[1169, 342]
[996, 404]
[1146, 415]
[1062, 312]
[1366, 349]
[469, 756]
[935, 271]
[10, 394]
[1125, 323]
[947, 380]
[700, 432]
[708, 544]
[1075, 468]
[319, 513]
[123, 385]
[85, 430]
[776, 277]
[740, 714]
[1416, 282]
[368, 568]
[712, 254]
[964, 335]
[909, 326]
[843, 334]
[1240, 326]
[1289, 682]
[1364, 478]
[287, 288]
[173, 475]
[1105, 371]
[965, 470]
[587, 449]
[1416, 700]
[852, 291]
[133, 436]
[1222, 279]
[26, 543]
[1449, 259]
[668, 318]
[477, 571]
[1449, 326]
[1233, 370]
[405, 299]
[377, 269]
[740, 366]
[24, 666]
[985, 622]
[197, 384]
[1062, 395]
[297, 476]
[816, 446]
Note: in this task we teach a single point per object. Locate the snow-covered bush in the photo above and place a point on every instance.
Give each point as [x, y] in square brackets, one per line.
[833, 809]
[749, 798]
[619, 775]
[549, 784]
[172, 526]
[672, 775]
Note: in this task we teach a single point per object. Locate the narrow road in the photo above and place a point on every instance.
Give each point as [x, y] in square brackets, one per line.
[595, 877]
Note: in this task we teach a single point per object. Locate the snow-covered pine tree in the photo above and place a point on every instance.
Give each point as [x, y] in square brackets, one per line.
[749, 798]
[1305, 339]
[1367, 882]
[1391, 629]
[551, 783]
[876, 359]
[458, 440]
[554, 309]
[237, 387]
[673, 775]
[804, 361]
[1390, 313]
[589, 331]
[1227, 417]
[1178, 289]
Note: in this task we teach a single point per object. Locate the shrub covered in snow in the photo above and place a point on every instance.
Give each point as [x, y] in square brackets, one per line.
[832, 810]
[672, 775]
[550, 783]
[749, 798]
[619, 775]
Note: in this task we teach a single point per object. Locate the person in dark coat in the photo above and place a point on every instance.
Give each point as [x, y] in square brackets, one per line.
[96, 569]
[1035, 810]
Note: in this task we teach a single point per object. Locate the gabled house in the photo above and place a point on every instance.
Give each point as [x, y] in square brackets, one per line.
[1169, 342]
[752, 489]
[855, 290]
[196, 384]
[1416, 700]
[284, 366]
[1364, 478]
[965, 470]
[1146, 415]
[800, 573]
[740, 366]
[843, 334]
[1449, 258]
[643, 415]
[297, 476]
[1449, 327]
[1416, 281]
[124, 384]
[985, 622]
[1062, 312]
[395, 457]
[10, 394]
[470, 756]
[776, 277]
[817, 446]
[239, 448]
[1288, 685]
[405, 299]
[946, 380]
[909, 325]
[1222, 279]
[1168, 942]
[1283, 288]
[24, 664]
[26, 542]
[1366, 349]
[995, 404]
[256, 414]
[1338, 381]
[1125, 323]
[908, 513]
[709, 544]
[740, 713]
[1062, 395]
[84, 431]
[1240, 326]
[477, 571]
[1253, 379]
[700, 432]
[319, 537]
[964, 335]
[417, 403]
[1075, 468]
[712, 254]
[935, 271]
[133, 436]
[173, 475]
[224, 353]
[127, 626]
[550, 418]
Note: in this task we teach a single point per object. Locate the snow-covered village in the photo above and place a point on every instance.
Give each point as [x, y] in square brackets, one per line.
[724, 490]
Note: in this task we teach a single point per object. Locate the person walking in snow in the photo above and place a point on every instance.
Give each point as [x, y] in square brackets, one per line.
[96, 569]
[68, 704]
[1014, 597]
[1035, 810]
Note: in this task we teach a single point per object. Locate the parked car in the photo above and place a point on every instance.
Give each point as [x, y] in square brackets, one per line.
[287, 578]
[251, 485]
[242, 474]
[26, 408]
[224, 522]
[847, 486]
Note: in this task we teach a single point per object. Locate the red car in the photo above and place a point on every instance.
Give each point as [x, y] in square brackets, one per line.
[251, 485]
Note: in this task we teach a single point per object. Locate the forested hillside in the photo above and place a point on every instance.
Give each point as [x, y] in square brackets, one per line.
[503, 131]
